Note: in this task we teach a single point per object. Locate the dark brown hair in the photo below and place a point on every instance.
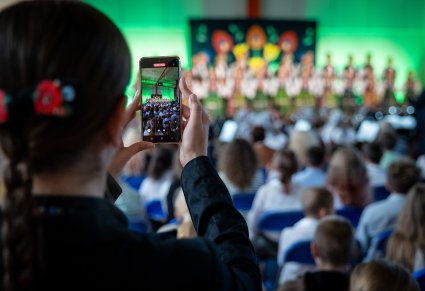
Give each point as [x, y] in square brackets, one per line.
[402, 175]
[162, 161]
[41, 40]
[409, 233]
[373, 152]
[238, 162]
[285, 162]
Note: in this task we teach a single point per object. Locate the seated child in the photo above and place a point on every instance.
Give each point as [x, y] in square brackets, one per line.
[317, 203]
[331, 248]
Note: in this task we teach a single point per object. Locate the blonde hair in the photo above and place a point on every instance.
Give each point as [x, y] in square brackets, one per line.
[347, 176]
[382, 275]
[238, 162]
[300, 142]
[409, 233]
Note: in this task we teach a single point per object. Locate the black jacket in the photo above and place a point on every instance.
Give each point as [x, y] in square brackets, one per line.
[88, 246]
[319, 281]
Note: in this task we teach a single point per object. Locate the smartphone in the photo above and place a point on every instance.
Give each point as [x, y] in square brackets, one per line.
[160, 99]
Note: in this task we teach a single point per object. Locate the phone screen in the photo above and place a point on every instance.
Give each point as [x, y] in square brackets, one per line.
[161, 99]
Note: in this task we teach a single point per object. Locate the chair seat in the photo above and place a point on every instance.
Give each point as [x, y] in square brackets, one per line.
[278, 220]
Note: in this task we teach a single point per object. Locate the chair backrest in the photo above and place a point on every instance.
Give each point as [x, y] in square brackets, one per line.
[133, 181]
[278, 220]
[299, 252]
[380, 193]
[381, 239]
[138, 226]
[243, 201]
[420, 278]
[351, 213]
[155, 211]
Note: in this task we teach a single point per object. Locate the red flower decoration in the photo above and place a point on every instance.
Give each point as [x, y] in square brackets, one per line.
[49, 99]
[4, 114]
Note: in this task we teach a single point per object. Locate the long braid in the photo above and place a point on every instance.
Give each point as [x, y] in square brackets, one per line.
[19, 241]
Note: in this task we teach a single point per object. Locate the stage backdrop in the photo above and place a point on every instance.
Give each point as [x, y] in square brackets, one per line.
[259, 40]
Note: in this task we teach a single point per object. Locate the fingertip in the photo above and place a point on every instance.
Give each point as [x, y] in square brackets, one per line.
[193, 98]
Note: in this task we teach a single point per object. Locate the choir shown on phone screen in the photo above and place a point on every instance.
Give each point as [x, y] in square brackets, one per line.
[292, 85]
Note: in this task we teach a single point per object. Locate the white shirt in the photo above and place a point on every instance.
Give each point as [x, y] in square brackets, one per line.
[310, 177]
[151, 189]
[272, 197]
[377, 217]
[302, 230]
[129, 203]
[377, 175]
[419, 263]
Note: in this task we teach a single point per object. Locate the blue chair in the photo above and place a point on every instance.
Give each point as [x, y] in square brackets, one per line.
[380, 193]
[133, 181]
[138, 226]
[420, 278]
[380, 240]
[378, 246]
[351, 213]
[299, 252]
[243, 201]
[269, 273]
[278, 220]
[154, 210]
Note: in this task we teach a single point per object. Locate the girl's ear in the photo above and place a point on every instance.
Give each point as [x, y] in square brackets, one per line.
[115, 124]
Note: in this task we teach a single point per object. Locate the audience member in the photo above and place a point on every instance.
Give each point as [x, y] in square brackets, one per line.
[347, 178]
[300, 141]
[263, 152]
[382, 275]
[387, 138]
[239, 168]
[313, 175]
[160, 176]
[317, 203]
[133, 172]
[60, 139]
[279, 193]
[176, 170]
[332, 247]
[420, 162]
[182, 227]
[382, 215]
[406, 246]
[372, 153]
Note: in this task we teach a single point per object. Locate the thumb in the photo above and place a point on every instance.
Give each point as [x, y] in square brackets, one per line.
[195, 109]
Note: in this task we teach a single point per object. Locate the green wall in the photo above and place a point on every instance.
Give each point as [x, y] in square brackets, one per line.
[383, 28]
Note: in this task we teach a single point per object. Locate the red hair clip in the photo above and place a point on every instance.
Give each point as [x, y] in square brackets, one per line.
[52, 99]
[4, 110]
